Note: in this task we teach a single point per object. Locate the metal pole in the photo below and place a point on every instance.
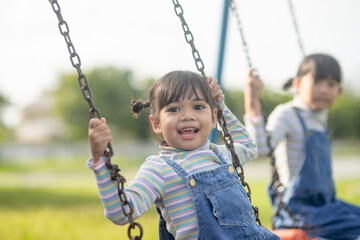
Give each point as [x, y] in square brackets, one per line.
[213, 133]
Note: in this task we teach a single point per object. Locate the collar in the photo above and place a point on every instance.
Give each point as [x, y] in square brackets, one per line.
[298, 103]
[320, 114]
[166, 151]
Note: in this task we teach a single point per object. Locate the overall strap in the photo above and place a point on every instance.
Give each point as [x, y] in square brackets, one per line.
[219, 155]
[297, 111]
[182, 173]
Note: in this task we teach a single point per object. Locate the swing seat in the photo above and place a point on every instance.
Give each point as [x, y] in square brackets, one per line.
[292, 234]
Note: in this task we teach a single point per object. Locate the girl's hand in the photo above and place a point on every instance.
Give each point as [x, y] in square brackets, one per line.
[215, 89]
[99, 137]
[252, 93]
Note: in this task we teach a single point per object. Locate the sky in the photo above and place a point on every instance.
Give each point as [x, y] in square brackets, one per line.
[146, 37]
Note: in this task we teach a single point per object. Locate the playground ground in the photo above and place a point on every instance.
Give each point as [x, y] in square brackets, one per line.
[49, 193]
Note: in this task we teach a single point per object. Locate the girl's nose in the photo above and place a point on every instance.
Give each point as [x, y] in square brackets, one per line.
[187, 116]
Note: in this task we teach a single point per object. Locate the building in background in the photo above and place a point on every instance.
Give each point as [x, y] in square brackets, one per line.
[39, 124]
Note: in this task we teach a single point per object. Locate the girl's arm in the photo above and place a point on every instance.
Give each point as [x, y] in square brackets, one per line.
[244, 145]
[252, 93]
[142, 192]
[277, 126]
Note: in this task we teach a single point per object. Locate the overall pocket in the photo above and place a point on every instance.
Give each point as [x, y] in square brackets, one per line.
[230, 204]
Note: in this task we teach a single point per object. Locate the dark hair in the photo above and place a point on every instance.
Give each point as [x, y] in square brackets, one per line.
[320, 65]
[171, 87]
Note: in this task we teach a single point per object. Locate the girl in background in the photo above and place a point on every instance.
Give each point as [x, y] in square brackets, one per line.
[296, 132]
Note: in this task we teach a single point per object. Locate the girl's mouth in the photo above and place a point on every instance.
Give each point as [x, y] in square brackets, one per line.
[188, 132]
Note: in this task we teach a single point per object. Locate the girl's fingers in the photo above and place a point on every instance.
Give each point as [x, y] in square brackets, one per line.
[215, 88]
[212, 81]
[94, 122]
[253, 72]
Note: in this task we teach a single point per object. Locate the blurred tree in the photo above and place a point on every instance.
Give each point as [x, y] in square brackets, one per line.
[3, 130]
[344, 116]
[269, 99]
[112, 91]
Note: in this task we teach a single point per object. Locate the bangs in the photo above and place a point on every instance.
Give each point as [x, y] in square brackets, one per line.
[175, 85]
[321, 66]
[327, 70]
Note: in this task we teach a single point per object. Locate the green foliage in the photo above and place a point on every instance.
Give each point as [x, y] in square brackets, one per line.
[235, 101]
[3, 130]
[344, 116]
[112, 92]
[3, 101]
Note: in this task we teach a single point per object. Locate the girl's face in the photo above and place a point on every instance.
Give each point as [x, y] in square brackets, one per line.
[317, 95]
[186, 123]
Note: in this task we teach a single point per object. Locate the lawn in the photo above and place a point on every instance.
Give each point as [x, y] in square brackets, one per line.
[57, 199]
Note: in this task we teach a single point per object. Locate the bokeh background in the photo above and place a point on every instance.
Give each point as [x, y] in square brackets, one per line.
[46, 192]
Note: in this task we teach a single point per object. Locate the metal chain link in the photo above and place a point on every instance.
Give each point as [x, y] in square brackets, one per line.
[278, 189]
[296, 26]
[87, 93]
[189, 37]
[229, 142]
[236, 162]
[235, 11]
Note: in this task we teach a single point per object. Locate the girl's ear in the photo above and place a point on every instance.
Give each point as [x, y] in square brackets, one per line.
[155, 124]
[296, 83]
[214, 118]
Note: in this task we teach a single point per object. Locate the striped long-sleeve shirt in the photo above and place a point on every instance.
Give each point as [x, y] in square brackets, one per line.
[286, 135]
[157, 183]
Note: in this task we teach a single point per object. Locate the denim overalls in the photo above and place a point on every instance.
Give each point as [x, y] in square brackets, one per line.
[222, 208]
[310, 196]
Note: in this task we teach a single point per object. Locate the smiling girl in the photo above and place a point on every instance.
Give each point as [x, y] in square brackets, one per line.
[191, 181]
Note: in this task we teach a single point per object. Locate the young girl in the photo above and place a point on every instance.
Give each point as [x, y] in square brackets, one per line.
[297, 133]
[191, 180]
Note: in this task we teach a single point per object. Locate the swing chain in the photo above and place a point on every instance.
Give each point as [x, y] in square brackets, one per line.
[234, 9]
[236, 162]
[189, 37]
[296, 26]
[227, 137]
[278, 189]
[94, 112]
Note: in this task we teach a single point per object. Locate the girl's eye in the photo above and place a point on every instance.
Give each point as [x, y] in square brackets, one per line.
[199, 107]
[174, 109]
[333, 83]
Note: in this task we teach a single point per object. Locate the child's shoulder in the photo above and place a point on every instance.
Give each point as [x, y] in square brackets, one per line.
[155, 160]
[284, 109]
[284, 112]
[153, 163]
[221, 151]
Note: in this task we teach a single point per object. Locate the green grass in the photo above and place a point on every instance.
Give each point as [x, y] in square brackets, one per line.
[47, 213]
[58, 200]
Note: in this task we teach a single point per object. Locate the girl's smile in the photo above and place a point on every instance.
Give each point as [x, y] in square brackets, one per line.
[188, 133]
